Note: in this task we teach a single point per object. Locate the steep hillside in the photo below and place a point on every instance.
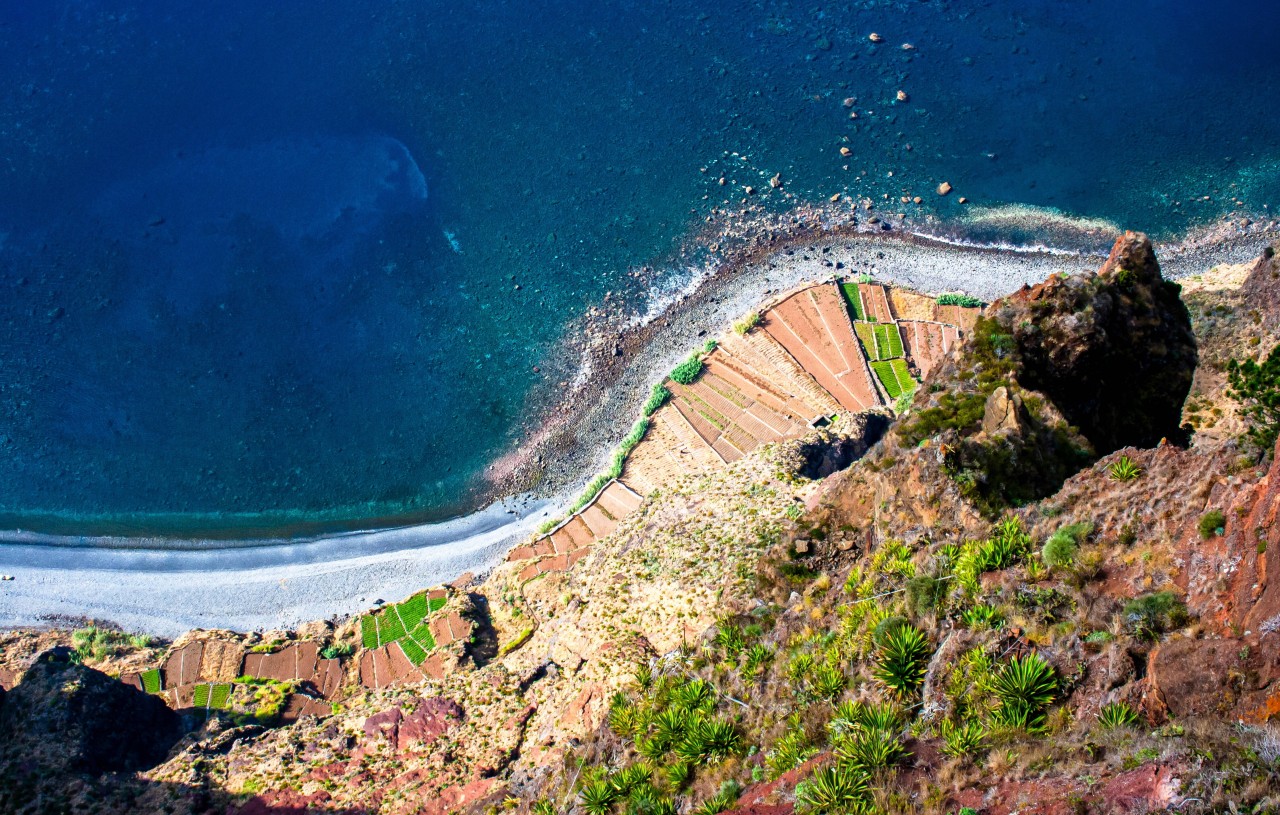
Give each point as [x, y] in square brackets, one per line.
[1039, 591]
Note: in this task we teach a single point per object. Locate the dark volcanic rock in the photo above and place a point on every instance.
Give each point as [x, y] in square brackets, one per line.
[1114, 352]
[822, 454]
[64, 717]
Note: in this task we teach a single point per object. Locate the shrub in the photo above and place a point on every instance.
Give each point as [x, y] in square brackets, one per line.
[1257, 387]
[598, 797]
[657, 398]
[687, 372]
[959, 300]
[982, 616]
[852, 716]
[1117, 714]
[1212, 523]
[708, 739]
[337, 650]
[1061, 548]
[835, 789]
[828, 681]
[744, 326]
[1124, 469]
[1024, 687]
[900, 664]
[789, 752]
[925, 593]
[1150, 615]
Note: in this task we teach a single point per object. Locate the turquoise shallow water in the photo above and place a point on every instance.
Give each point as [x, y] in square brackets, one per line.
[259, 267]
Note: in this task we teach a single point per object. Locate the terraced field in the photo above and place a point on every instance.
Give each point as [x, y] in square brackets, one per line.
[405, 623]
[823, 350]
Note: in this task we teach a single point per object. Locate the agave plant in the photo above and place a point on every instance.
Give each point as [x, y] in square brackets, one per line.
[829, 680]
[543, 807]
[722, 800]
[629, 779]
[598, 797]
[962, 740]
[730, 638]
[1117, 714]
[669, 727]
[758, 655]
[1124, 469]
[982, 616]
[647, 801]
[697, 694]
[834, 789]
[1024, 687]
[678, 774]
[789, 752]
[709, 738]
[870, 749]
[901, 661]
[852, 716]
[624, 720]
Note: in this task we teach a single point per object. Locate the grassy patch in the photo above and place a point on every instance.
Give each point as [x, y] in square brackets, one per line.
[413, 651]
[895, 377]
[853, 299]
[152, 681]
[220, 696]
[368, 632]
[413, 610]
[200, 698]
[687, 372]
[889, 340]
[959, 300]
[744, 326]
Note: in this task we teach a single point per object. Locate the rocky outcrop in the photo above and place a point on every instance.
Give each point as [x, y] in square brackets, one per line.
[828, 451]
[1114, 352]
[80, 720]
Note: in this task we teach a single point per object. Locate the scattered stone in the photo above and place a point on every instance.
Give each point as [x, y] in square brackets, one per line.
[776, 181]
[850, 101]
[964, 200]
[906, 46]
[749, 190]
[875, 37]
[902, 96]
[853, 115]
[846, 152]
[802, 546]
[720, 181]
[834, 199]
[917, 200]
[944, 188]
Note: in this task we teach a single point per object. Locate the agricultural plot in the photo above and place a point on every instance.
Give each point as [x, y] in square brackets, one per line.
[881, 340]
[405, 623]
[853, 298]
[210, 696]
[894, 375]
[151, 681]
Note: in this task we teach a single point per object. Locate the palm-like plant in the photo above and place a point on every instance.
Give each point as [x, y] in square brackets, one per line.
[598, 797]
[829, 680]
[982, 616]
[1025, 686]
[709, 738]
[629, 779]
[696, 694]
[962, 740]
[1124, 469]
[835, 789]
[1117, 714]
[870, 749]
[669, 727]
[901, 661]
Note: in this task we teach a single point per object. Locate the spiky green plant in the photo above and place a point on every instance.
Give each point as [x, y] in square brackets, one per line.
[624, 718]
[598, 797]
[629, 779]
[758, 656]
[543, 807]
[900, 663]
[1117, 714]
[1150, 615]
[678, 774]
[696, 694]
[721, 801]
[833, 790]
[1124, 469]
[851, 716]
[1024, 688]
[789, 752]
[708, 739]
[644, 676]
[730, 638]
[829, 680]
[962, 740]
[982, 616]
[870, 749]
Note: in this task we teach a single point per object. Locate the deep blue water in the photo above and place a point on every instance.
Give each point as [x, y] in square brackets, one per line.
[258, 261]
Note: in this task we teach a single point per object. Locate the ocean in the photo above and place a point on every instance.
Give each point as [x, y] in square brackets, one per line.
[269, 268]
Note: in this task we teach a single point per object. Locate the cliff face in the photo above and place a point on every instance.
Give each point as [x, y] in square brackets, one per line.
[1114, 353]
[797, 634]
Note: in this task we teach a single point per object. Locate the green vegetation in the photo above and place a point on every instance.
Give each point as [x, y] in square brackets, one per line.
[895, 377]
[834, 790]
[687, 372]
[97, 643]
[1257, 388]
[200, 697]
[853, 299]
[901, 662]
[880, 340]
[1061, 548]
[657, 398]
[220, 696]
[959, 300]
[337, 650]
[1117, 714]
[1025, 687]
[744, 326]
[1212, 523]
[1124, 469]
[152, 682]
[406, 623]
[1151, 615]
